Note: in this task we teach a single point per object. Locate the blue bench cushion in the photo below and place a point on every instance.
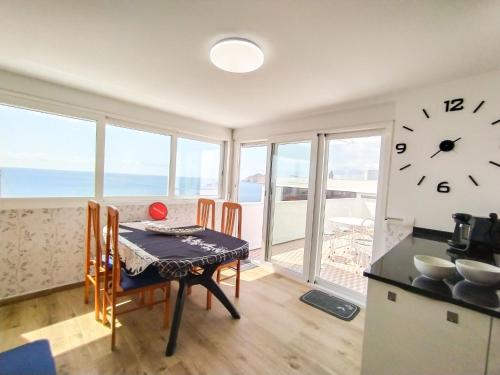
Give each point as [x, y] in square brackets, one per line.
[148, 277]
[34, 358]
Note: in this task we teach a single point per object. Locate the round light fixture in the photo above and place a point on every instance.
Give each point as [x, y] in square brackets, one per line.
[237, 55]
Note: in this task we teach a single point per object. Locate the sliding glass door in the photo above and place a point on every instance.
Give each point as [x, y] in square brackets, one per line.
[348, 210]
[323, 214]
[251, 194]
[289, 203]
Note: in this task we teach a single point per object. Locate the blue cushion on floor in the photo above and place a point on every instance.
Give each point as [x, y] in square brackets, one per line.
[148, 277]
[34, 358]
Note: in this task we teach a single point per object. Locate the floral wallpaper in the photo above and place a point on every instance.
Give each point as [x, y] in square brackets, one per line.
[44, 248]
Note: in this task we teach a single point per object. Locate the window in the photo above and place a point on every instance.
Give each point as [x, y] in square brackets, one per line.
[45, 155]
[197, 168]
[253, 160]
[136, 162]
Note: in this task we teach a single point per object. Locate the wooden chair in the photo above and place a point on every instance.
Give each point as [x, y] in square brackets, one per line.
[230, 212]
[205, 209]
[118, 284]
[94, 269]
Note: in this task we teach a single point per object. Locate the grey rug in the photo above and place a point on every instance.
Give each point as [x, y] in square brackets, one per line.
[330, 304]
[247, 265]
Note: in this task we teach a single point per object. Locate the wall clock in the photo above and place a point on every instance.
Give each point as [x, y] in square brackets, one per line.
[448, 143]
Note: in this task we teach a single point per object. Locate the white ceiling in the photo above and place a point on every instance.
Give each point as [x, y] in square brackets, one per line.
[318, 53]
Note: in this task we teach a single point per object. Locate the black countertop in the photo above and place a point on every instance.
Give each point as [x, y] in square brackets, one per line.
[397, 268]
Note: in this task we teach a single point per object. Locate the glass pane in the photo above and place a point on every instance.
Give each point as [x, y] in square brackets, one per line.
[198, 168]
[136, 162]
[45, 155]
[251, 188]
[291, 166]
[253, 160]
[349, 216]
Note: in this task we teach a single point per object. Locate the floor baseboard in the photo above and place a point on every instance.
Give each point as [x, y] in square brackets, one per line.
[41, 293]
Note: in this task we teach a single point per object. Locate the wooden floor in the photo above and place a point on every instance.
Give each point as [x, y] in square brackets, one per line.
[277, 334]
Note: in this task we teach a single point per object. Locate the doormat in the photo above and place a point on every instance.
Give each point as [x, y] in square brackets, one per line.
[247, 265]
[330, 304]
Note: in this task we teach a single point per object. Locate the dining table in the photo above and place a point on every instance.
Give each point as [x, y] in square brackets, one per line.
[180, 257]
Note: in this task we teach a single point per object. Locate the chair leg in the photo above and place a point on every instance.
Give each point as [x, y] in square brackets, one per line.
[104, 308]
[238, 269]
[218, 275]
[113, 321]
[166, 308]
[86, 289]
[97, 289]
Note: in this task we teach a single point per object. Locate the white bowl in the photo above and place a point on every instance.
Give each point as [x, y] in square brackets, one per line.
[478, 273]
[434, 268]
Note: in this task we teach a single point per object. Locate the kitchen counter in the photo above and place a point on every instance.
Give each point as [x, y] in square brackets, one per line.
[397, 268]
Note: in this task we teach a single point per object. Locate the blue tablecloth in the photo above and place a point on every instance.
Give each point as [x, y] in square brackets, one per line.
[175, 256]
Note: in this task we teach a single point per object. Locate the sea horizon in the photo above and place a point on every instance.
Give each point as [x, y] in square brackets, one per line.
[36, 183]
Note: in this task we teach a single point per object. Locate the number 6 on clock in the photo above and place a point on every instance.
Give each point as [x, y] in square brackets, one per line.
[443, 187]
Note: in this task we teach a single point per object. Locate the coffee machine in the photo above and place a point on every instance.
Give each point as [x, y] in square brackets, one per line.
[476, 236]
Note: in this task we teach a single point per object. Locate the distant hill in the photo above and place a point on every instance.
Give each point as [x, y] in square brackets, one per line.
[257, 178]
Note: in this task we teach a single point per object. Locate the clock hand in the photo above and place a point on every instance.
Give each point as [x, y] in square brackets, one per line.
[446, 146]
[434, 154]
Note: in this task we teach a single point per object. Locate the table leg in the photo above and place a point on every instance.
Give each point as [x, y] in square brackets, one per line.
[212, 286]
[207, 281]
[176, 321]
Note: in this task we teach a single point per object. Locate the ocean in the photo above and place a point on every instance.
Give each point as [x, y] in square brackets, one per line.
[36, 183]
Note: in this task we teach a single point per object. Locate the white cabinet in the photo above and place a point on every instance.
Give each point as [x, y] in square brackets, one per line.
[494, 352]
[408, 334]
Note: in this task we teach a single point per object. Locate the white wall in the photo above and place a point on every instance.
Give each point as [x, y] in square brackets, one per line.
[251, 230]
[480, 143]
[344, 116]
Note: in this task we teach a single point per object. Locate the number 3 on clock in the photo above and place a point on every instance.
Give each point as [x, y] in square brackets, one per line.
[454, 105]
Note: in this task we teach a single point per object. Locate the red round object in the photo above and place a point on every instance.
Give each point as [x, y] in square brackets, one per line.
[158, 211]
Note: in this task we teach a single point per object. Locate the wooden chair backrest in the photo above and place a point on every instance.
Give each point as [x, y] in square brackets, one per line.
[93, 230]
[112, 248]
[205, 209]
[229, 212]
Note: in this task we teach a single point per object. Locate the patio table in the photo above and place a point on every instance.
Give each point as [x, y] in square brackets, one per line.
[175, 257]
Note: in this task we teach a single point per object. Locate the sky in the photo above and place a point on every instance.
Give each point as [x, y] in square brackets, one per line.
[30, 139]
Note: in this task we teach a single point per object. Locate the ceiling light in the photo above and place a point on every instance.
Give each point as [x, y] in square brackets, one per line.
[236, 55]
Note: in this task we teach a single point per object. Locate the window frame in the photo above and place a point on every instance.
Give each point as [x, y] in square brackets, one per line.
[101, 119]
[222, 158]
[144, 128]
[237, 166]
[62, 110]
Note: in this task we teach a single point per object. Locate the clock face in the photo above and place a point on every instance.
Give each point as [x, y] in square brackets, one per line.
[441, 122]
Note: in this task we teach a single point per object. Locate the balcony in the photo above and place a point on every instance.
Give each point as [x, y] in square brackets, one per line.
[346, 243]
